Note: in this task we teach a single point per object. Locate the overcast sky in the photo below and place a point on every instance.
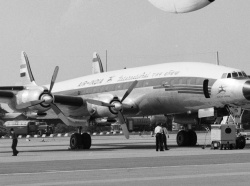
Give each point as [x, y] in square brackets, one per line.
[135, 33]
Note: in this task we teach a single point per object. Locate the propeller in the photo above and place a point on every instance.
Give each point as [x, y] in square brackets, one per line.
[47, 98]
[117, 106]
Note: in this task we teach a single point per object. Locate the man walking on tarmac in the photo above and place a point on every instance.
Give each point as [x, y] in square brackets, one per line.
[14, 142]
[164, 136]
[158, 136]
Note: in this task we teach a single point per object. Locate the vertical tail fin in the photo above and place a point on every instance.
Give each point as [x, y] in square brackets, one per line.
[97, 64]
[26, 75]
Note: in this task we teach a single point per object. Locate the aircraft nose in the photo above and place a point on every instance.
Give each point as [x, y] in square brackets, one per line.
[246, 90]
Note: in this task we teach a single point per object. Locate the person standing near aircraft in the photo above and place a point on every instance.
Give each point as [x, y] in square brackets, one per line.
[14, 142]
[164, 136]
[158, 136]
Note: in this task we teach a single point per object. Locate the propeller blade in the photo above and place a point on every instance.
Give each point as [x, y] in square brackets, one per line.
[29, 104]
[132, 86]
[123, 125]
[53, 79]
[60, 114]
[100, 103]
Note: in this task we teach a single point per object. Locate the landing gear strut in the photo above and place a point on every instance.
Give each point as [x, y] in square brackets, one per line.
[186, 138]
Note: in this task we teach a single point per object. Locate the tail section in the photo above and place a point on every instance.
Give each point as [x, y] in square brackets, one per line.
[26, 75]
[97, 64]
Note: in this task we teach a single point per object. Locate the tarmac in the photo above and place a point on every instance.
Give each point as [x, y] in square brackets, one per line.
[114, 160]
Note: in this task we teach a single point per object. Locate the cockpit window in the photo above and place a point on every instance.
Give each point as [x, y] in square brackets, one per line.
[237, 75]
[244, 74]
[234, 74]
[224, 76]
[240, 74]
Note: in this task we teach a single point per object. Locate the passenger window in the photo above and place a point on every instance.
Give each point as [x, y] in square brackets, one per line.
[240, 74]
[234, 74]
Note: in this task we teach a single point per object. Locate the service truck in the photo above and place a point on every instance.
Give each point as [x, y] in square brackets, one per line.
[28, 127]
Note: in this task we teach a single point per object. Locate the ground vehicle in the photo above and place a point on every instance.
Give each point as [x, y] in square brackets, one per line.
[44, 128]
[3, 131]
[28, 127]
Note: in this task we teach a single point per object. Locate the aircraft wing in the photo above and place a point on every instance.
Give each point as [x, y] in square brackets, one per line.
[70, 100]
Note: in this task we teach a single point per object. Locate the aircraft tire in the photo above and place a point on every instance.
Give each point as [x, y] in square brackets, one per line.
[240, 142]
[86, 141]
[40, 133]
[192, 138]
[182, 138]
[75, 141]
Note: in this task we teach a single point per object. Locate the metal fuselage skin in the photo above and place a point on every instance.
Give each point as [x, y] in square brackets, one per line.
[170, 88]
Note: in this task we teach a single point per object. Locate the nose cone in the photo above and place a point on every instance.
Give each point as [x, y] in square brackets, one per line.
[246, 90]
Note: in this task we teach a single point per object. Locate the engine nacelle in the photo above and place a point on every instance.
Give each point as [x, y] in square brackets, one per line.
[180, 6]
[29, 95]
[103, 111]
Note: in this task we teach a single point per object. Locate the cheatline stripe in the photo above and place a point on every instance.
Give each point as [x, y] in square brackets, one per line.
[191, 92]
[185, 88]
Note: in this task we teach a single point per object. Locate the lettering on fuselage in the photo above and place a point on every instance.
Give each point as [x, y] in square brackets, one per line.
[135, 77]
[92, 82]
[122, 78]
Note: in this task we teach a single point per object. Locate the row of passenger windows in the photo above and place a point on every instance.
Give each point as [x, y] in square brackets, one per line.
[145, 83]
[235, 75]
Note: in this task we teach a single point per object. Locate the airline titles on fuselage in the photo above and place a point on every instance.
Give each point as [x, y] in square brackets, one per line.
[122, 78]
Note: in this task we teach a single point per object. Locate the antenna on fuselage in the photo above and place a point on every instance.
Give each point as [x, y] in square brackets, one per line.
[217, 58]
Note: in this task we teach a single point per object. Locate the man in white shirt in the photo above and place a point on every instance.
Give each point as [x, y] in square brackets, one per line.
[164, 136]
[158, 135]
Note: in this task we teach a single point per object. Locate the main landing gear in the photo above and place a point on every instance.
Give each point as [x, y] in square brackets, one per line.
[80, 141]
[186, 138]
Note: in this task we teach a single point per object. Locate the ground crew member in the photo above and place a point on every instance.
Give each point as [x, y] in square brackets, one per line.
[164, 136]
[14, 142]
[158, 136]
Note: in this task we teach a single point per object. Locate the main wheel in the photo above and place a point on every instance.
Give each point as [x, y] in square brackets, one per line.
[240, 142]
[181, 138]
[75, 141]
[192, 138]
[86, 141]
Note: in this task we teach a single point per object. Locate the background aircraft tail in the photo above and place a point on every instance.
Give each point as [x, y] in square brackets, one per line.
[26, 75]
[97, 64]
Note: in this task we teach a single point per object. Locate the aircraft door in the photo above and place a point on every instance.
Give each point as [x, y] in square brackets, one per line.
[205, 88]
